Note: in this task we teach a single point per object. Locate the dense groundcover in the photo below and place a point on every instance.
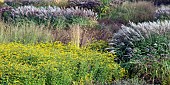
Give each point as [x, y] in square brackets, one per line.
[55, 63]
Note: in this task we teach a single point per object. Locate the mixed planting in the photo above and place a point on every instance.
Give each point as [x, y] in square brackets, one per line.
[84, 42]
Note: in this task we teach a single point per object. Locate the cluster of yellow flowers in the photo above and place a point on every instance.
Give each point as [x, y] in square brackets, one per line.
[55, 63]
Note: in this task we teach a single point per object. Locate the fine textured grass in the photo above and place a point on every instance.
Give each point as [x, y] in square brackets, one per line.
[150, 60]
[24, 33]
[135, 12]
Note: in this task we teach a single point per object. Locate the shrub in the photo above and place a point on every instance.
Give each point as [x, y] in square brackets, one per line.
[98, 45]
[55, 63]
[107, 6]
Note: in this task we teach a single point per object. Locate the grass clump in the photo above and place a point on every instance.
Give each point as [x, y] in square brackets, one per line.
[133, 11]
[24, 33]
[150, 60]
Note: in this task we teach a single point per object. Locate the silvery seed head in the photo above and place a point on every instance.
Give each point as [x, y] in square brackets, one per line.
[127, 35]
[48, 12]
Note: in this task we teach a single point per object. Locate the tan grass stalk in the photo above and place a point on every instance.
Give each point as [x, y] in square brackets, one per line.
[76, 35]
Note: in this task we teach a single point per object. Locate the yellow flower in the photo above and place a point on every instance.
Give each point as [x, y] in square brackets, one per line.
[34, 61]
[1, 1]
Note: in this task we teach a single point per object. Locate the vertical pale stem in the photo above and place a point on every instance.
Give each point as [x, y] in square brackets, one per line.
[75, 39]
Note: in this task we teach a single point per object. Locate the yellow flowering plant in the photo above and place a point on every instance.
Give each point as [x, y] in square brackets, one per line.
[55, 64]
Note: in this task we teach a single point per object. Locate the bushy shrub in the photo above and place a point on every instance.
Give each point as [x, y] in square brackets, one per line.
[55, 63]
[107, 6]
[98, 45]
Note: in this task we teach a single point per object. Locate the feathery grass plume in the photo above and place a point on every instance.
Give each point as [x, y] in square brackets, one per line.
[163, 12]
[55, 16]
[51, 12]
[125, 37]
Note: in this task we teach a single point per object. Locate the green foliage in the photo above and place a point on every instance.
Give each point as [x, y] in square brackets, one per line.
[98, 46]
[59, 23]
[150, 60]
[55, 64]
[164, 17]
[135, 12]
[104, 8]
[155, 45]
